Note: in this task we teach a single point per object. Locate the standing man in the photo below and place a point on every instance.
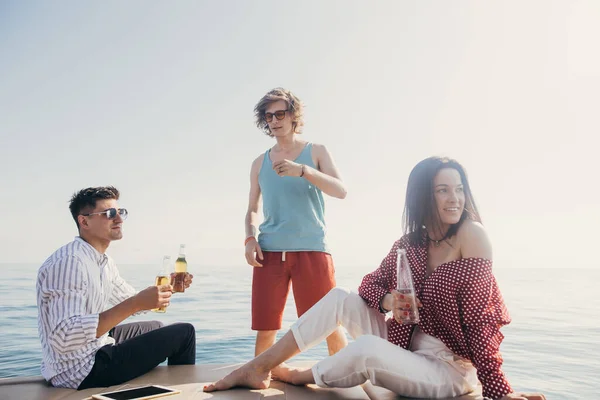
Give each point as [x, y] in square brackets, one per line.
[290, 177]
[82, 344]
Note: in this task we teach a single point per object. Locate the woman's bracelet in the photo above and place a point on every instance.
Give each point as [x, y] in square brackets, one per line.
[381, 309]
[249, 238]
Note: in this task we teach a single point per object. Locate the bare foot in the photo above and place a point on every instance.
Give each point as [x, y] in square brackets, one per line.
[275, 371]
[294, 375]
[245, 376]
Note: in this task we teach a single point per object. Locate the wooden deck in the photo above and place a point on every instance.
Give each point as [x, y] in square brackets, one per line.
[190, 379]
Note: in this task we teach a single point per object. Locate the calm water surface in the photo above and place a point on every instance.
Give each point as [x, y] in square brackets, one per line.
[552, 345]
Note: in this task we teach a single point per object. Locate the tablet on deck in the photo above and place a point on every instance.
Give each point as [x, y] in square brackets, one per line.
[140, 393]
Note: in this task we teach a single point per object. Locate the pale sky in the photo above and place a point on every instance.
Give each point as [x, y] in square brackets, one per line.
[156, 98]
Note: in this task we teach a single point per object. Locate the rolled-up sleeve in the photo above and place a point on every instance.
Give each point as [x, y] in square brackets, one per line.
[64, 291]
[381, 281]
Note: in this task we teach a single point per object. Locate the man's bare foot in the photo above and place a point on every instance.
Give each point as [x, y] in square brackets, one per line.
[245, 376]
[294, 375]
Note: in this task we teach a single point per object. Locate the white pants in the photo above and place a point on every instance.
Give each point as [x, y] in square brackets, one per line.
[428, 370]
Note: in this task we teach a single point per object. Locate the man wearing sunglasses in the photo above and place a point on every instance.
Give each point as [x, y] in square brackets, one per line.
[82, 298]
[290, 178]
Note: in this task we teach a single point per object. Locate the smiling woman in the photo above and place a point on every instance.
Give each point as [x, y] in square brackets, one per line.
[438, 199]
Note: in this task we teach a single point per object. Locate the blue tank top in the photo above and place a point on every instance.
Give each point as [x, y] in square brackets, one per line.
[293, 209]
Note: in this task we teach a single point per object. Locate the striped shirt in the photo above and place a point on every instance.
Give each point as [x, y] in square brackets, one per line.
[74, 285]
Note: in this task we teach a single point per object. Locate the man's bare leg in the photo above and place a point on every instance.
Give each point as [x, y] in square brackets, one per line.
[264, 340]
[256, 373]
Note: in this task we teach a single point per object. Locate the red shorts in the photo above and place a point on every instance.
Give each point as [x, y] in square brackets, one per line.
[311, 273]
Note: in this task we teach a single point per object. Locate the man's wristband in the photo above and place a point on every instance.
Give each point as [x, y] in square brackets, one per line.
[249, 238]
[302, 173]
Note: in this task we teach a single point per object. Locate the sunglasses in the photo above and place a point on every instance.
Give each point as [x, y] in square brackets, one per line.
[111, 213]
[278, 114]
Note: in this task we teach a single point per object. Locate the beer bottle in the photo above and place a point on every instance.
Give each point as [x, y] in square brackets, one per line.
[163, 278]
[180, 271]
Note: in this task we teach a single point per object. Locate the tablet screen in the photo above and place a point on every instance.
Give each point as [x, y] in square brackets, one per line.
[136, 393]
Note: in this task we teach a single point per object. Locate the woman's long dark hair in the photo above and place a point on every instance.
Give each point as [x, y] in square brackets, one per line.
[420, 206]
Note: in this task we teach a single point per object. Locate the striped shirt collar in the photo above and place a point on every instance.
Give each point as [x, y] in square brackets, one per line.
[101, 258]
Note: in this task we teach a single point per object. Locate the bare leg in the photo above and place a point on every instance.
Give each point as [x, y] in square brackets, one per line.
[336, 341]
[264, 340]
[256, 373]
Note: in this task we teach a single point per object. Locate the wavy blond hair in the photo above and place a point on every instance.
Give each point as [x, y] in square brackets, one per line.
[294, 106]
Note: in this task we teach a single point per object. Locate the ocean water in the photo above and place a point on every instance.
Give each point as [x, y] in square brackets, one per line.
[552, 345]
